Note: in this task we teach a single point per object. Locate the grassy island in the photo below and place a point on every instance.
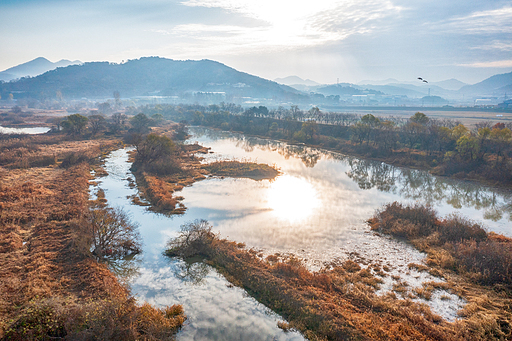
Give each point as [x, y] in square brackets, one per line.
[340, 303]
[238, 169]
[163, 167]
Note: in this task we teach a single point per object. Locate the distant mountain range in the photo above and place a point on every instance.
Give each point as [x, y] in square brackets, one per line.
[210, 81]
[450, 84]
[149, 76]
[345, 89]
[295, 80]
[33, 68]
[495, 85]
[379, 82]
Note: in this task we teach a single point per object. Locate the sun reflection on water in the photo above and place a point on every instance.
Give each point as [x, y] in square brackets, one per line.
[292, 198]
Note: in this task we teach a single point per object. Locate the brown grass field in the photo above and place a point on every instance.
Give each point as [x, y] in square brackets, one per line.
[50, 287]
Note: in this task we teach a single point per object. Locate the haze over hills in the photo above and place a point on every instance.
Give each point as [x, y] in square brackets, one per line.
[379, 82]
[148, 76]
[450, 84]
[207, 81]
[495, 85]
[345, 89]
[295, 80]
[34, 68]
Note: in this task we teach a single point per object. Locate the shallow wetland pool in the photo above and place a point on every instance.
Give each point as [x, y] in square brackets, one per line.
[316, 209]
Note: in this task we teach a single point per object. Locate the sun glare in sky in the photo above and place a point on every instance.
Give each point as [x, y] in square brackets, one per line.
[323, 40]
[292, 198]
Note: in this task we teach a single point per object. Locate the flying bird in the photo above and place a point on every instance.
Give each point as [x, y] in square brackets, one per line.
[425, 81]
[420, 78]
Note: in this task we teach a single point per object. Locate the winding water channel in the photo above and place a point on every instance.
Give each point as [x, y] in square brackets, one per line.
[316, 209]
[28, 130]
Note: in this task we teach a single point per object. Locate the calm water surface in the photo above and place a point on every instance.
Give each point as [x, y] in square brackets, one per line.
[30, 131]
[316, 209]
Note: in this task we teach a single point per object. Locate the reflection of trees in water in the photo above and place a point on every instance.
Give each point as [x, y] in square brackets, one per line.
[191, 270]
[126, 269]
[422, 186]
[369, 175]
[211, 134]
[242, 143]
[309, 156]
[310, 160]
[409, 183]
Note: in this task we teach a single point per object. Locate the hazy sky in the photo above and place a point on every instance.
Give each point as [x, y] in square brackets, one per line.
[322, 40]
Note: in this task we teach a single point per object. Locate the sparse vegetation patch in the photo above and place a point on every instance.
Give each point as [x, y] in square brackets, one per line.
[334, 304]
[242, 169]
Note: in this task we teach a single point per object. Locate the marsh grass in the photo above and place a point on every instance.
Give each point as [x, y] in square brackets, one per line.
[51, 287]
[159, 179]
[453, 243]
[242, 169]
[335, 304]
[106, 319]
[476, 264]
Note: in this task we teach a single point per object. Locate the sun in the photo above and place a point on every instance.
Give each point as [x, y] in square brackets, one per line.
[292, 198]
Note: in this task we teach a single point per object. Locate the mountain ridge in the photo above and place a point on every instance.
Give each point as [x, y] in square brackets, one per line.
[148, 76]
[34, 68]
[296, 80]
[489, 86]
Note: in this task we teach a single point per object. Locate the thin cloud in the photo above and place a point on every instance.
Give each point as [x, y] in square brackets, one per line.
[494, 64]
[292, 24]
[355, 16]
[164, 32]
[495, 45]
[483, 22]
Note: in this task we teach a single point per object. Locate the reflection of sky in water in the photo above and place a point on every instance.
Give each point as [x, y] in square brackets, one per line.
[339, 180]
[215, 310]
[31, 130]
[325, 222]
[291, 198]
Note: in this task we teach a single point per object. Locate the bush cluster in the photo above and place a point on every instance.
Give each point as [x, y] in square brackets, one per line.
[108, 319]
[461, 243]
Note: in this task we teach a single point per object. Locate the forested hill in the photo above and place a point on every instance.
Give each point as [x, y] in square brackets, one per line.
[497, 84]
[146, 76]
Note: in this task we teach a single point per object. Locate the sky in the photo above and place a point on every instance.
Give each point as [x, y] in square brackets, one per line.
[322, 40]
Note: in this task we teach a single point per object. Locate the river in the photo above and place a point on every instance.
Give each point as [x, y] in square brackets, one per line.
[28, 130]
[316, 209]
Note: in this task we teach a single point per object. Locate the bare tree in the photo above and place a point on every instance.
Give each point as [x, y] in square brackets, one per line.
[117, 99]
[192, 240]
[113, 234]
[97, 123]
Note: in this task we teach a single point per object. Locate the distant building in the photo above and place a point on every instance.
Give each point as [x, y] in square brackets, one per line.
[505, 104]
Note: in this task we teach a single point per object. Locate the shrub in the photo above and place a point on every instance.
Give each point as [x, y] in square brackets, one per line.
[193, 240]
[165, 166]
[456, 229]
[453, 243]
[154, 147]
[405, 221]
[490, 261]
[72, 159]
[116, 319]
